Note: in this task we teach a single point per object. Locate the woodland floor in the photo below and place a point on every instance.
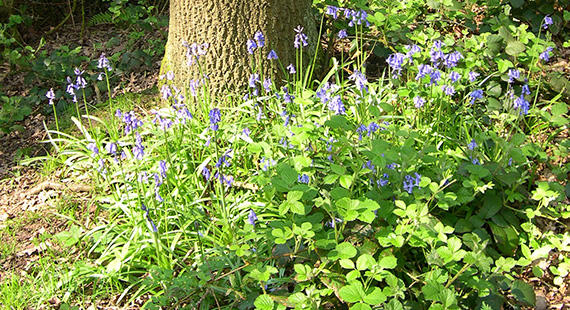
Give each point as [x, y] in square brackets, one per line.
[28, 194]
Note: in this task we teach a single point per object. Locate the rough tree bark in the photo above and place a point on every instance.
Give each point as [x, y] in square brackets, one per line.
[226, 25]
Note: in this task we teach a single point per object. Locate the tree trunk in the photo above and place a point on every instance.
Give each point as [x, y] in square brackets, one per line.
[226, 25]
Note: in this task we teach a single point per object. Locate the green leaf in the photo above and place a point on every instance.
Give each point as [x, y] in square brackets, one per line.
[360, 306]
[294, 196]
[297, 207]
[394, 304]
[375, 296]
[346, 181]
[70, 237]
[517, 3]
[346, 264]
[263, 302]
[352, 293]
[344, 250]
[388, 262]
[523, 292]
[514, 48]
[365, 261]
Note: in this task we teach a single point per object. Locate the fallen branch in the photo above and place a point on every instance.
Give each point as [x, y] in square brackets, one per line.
[58, 187]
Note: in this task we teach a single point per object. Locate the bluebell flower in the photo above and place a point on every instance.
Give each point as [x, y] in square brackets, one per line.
[434, 77]
[423, 70]
[357, 17]
[215, 118]
[436, 56]
[165, 92]
[142, 177]
[342, 34]
[359, 79]
[525, 90]
[472, 145]
[251, 46]
[303, 178]
[138, 149]
[513, 74]
[475, 161]
[360, 130]
[520, 103]
[193, 85]
[454, 76]
[383, 181]
[395, 61]
[368, 165]
[272, 55]
[547, 22]
[437, 44]
[80, 81]
[258, 36]
[287, 98]
[332, 11]
[473, 76]
[476, 94]
[252, 217]
[206, 173]
[300, 37]
[391, 166]
[93, 148]
[545, 56]
[101, 169]
[337, 106]
[228, 180]
[157, 180]
[170, 75]
[332, 223]
[449, 90]
[452, 59]
[419, 102]
[162, 168]
[412, 50]
[246, 131]
[510, 161]
[194, 51]
[111, 148]
[157, 196]
[103, 63]
[267, 84]
[372, 128]
[253, 79]
[51, 96]
[291, 69]
[411, 182]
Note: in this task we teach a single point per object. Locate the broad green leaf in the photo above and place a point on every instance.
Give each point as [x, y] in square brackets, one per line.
[360, 306]
[514, 48]
[375, 296]
[264, 302]
[346, 181]
[388, 262]
[524, 293]
[352, 293]
[344, 250]
[365, 261]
